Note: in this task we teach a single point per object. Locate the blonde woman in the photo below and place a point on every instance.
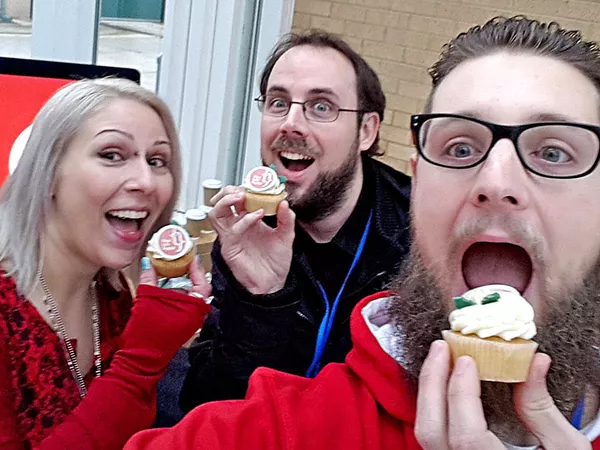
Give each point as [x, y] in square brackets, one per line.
[80, 354]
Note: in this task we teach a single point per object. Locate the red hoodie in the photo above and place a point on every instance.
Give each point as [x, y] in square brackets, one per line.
[365, 403]
[118, 404]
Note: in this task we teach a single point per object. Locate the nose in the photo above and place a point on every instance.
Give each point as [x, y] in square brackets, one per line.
[501, 181]
[294, 123]
[140, 177]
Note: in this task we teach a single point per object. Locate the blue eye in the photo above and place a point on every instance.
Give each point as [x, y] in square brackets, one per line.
[461, 151]
[276, 103]
[321, 107]
[554, 155]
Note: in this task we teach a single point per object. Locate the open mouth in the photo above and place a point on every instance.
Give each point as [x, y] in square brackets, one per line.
[295, 162]
[126, 221]
[497, 263]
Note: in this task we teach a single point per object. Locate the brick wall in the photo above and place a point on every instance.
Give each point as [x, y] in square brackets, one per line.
[401, 38]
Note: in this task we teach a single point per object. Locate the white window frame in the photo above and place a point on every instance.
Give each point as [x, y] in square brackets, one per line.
[204, 68]
[65, 30]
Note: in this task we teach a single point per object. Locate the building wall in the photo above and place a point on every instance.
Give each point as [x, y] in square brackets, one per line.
[401, 38]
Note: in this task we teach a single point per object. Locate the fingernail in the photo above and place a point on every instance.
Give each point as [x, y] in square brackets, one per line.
[198, 259]
[145, 263]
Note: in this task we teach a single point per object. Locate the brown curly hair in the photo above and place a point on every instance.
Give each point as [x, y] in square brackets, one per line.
[517, 34]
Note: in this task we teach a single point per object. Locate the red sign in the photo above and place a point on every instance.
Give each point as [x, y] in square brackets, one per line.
[21, 98]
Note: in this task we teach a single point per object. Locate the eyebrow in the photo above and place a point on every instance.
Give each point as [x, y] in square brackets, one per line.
[114, 130]
[534, 118]
[129, 135]
[313, 91]
[550, 117]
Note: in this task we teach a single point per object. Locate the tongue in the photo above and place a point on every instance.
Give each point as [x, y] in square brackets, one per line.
[123, 225]
[297, 165]
[488, 263]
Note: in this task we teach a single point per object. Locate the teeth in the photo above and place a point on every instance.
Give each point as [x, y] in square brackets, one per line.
[295, 156]
[129, 214]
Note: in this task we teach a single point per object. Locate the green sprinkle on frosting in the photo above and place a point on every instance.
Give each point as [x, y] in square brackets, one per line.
[282, 179]
[462, 302]
[492, 298]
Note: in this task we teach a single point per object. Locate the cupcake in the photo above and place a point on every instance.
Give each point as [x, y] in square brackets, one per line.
[494, 326]
[264, 189]
[204, 245]
[171, 251]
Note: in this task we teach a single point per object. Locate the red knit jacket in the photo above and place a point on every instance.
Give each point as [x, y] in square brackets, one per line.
[40, 406]
[364, 403]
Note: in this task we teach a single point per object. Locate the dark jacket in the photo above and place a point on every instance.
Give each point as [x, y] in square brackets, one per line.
[280, 330]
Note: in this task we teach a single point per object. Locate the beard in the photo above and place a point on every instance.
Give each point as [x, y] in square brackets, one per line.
[569, 333]
[329, 191]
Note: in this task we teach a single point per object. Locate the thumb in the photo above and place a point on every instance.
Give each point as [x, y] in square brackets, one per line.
[538, 412]
[532, 398]
[148, 275]
[198, 276]
[285, 218]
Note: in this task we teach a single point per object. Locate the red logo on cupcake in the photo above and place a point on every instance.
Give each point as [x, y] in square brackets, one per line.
[262, 178]
[172, 241]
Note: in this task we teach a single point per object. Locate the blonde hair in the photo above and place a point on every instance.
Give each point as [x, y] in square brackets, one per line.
[25, 198]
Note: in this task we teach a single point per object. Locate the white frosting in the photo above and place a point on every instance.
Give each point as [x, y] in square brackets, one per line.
[272, 185]
[182, 246]
[273, 191]
[508, 318]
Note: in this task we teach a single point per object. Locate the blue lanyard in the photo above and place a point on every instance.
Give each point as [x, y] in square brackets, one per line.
[327, 322]
[578, 415]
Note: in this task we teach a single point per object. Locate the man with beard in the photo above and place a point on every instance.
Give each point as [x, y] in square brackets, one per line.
[511, 139]
[285, 290]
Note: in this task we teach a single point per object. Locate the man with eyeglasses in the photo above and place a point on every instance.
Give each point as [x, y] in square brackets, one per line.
[506, 189]
[285, 290]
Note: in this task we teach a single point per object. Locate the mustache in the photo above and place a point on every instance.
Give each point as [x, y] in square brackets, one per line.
[518, 231]
[297, 145]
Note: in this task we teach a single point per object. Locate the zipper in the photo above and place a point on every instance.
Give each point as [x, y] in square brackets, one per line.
[366, 286]
[302, 315]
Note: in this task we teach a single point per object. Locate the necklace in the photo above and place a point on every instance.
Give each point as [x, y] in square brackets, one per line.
[61, 331]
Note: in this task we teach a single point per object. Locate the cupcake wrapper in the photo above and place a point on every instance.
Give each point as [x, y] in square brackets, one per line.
[267, 202]
[497, 359]
[172, 269]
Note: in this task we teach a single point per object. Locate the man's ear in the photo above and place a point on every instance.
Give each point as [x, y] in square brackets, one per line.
[413, 165]
[369, 128]
[413, 171]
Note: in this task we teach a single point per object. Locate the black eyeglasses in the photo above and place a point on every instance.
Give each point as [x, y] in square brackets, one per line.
[548, 149]
[316, 110]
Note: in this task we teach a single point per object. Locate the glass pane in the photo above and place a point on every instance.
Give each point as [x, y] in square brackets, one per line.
[131, 38]
[15, 28]
[455, 142]
[559, 150]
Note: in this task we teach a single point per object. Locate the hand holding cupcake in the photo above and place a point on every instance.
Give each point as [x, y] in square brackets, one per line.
[264, 189]
[171, 251]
